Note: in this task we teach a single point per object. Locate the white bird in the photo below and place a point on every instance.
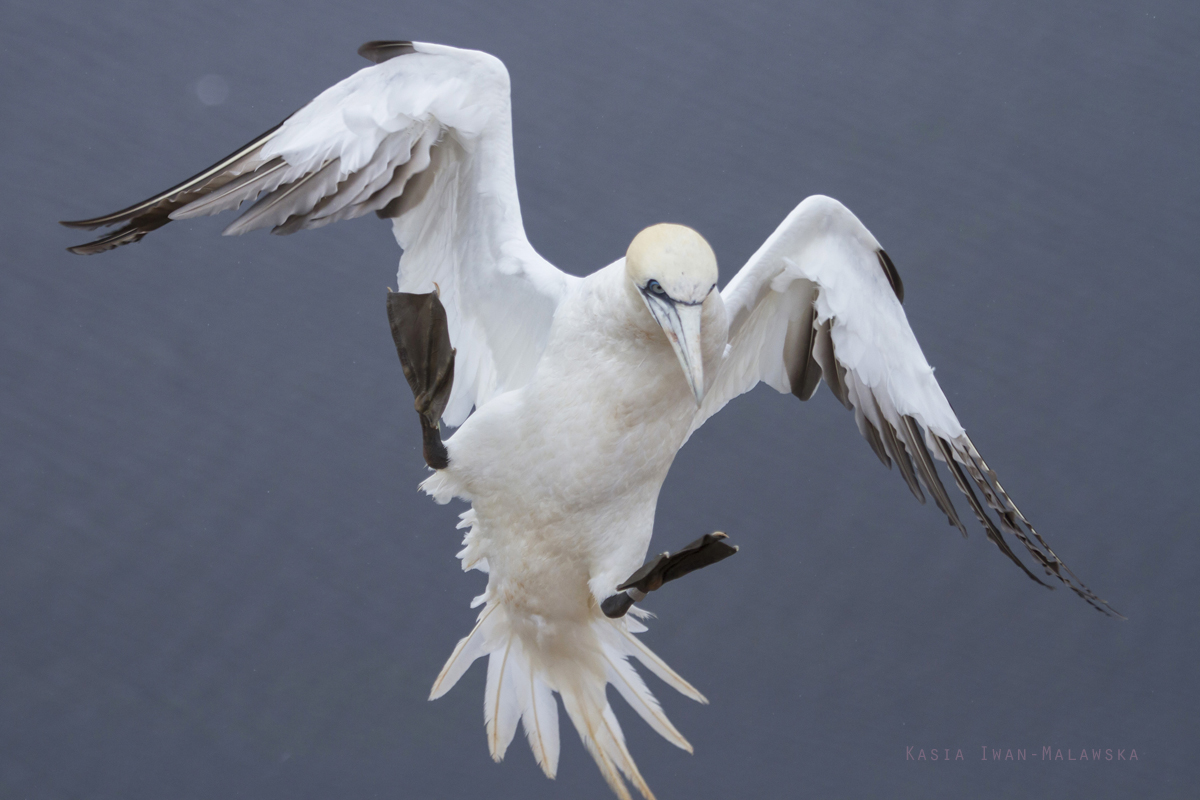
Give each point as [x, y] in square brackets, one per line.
[583, 390]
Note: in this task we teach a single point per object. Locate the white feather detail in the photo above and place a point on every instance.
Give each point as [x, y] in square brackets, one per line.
[540, 720]
[469, 648]
[602, 736]
[660, 668]
[634, 690]
[295, 198]
[502, 705]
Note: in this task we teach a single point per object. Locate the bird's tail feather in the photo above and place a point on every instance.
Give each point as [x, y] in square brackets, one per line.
[525, 667]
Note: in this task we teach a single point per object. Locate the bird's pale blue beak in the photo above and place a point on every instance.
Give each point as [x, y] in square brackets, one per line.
[681, 323]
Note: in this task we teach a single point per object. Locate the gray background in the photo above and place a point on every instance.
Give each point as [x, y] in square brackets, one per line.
[218, 580]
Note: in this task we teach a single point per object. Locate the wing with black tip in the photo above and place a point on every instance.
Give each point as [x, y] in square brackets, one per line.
[423, 138]
[821, 301]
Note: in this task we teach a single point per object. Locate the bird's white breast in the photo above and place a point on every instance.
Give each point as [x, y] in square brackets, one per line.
[564, 473]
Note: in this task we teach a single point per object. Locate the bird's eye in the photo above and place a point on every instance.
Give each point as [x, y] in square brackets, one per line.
[653, 286]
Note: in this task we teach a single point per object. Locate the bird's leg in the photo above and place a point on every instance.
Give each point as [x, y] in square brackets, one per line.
[708, 549]
[422, 339]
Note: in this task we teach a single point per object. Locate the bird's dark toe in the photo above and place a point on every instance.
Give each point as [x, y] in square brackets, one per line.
[708, 549]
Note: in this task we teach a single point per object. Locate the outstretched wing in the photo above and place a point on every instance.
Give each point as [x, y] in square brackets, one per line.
[821, 300]
[423, 138]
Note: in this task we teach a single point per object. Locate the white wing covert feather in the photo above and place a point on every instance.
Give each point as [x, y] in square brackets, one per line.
[821, 300]
[423, 138]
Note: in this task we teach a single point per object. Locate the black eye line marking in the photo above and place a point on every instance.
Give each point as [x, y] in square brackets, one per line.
[654, 288]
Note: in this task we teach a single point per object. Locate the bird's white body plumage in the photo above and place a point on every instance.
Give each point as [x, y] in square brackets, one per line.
[563, 475]
[578, 396]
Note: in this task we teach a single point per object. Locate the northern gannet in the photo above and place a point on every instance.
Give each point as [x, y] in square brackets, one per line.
[583, 389]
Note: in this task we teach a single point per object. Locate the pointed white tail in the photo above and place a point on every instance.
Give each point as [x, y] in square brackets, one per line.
[524, 671]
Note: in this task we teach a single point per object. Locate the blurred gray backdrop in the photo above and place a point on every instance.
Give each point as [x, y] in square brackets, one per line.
[217, 579]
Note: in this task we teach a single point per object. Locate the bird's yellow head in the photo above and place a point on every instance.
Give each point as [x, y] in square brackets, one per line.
[674, 270]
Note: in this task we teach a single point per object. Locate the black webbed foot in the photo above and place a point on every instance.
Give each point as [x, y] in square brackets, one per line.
[422, 339]
[708, 549]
